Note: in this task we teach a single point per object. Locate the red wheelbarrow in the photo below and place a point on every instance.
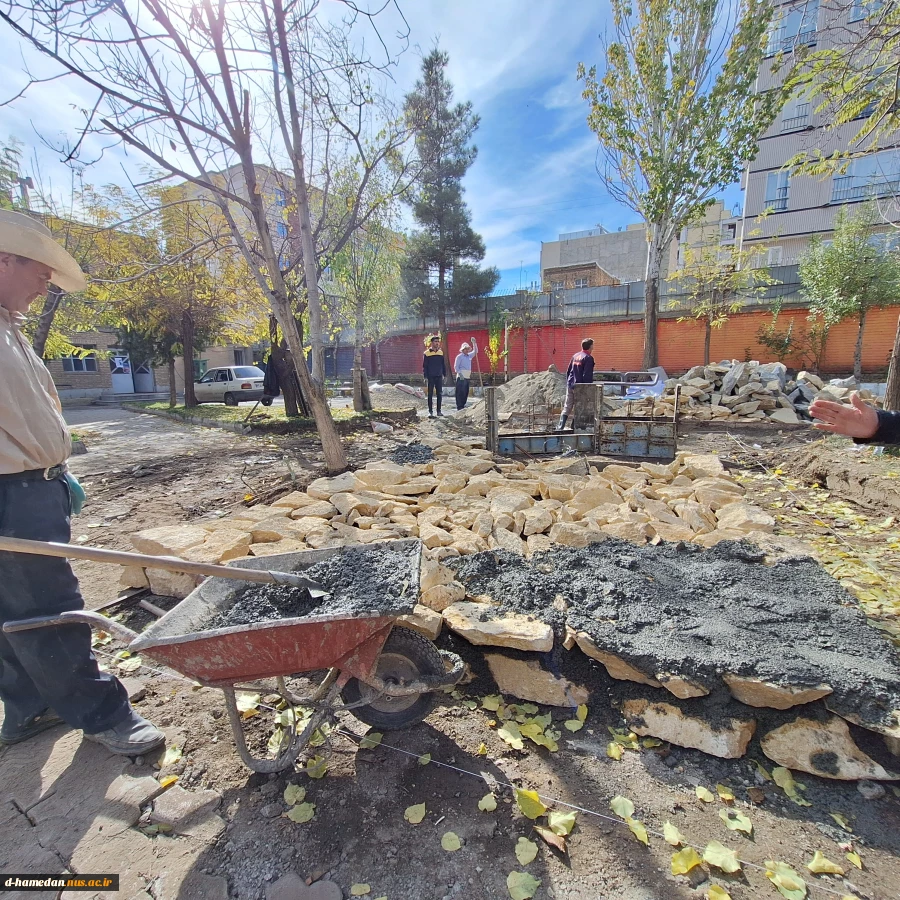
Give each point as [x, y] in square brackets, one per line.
[384, 674]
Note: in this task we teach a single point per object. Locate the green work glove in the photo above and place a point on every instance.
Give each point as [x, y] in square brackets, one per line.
[76, 493]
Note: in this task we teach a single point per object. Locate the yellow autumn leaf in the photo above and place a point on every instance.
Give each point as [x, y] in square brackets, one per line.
[821, 865]
[424, 759]
[573, 724]
[526, 851]
[725, 793]
[488, 803]
[294, 793]
[717, 893]
[736, 821]
[672, 835]
[638, 830]
[247, 704]
[855, 859]
[372, 739]
[530, 803]
[763, 771]
[622, 807]
[170, 757]
[492, 702]
[648, 743]
[512, 735]
[614, 750]
[521, 885]
[561, 823]
[788, 882]
[168, 780]
[482, 749]
[359, 890]
[301, 813]
[785, 780]
[414, 814]
[721, 857]
[316, 767]
[581, 713]
[705, 794]
[842, 821]
[451, 842]
[685, 860]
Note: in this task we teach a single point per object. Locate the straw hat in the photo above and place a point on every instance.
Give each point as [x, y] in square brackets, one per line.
[464, 347]
[24, 236]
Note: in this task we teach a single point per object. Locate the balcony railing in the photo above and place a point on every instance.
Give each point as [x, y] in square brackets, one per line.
[780, 201]
[783, 42]
[798, 120]
[849, 187]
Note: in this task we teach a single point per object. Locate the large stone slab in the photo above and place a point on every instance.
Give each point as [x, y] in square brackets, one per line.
[571, 535]
[527, 680]
[323, 488]
[826, 749]
[164, 583]
[727, 738]
[760, 693]
[424, 620]
[615, 666]
[483, 625]
[439, 596]
[744, 517]
[220, 546]
[168, 540]
[320, 509]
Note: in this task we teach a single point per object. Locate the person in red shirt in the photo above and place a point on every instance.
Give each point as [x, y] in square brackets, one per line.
[580, 371]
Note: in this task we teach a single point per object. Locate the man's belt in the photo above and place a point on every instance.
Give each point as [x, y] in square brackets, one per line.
[49, 474]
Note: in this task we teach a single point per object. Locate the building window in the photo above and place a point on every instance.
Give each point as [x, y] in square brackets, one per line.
[86, 363]
[862, 9]
[284, 263]
[885, 243]
[581, 282]
[281, 228]
[795, 114]
[777, 189]
[238, 357]
[557, 285]
[774, 256]
[872, 176]
[280, 197]
[729, 232]
[795, 27]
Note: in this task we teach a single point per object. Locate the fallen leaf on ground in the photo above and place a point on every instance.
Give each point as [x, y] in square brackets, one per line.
[372, 739]
[168, 780]
[130, 665]
[581, 713]
[170, 757]
[302, 812]
[414, 814]
[573, 724]
[273, 747]
[756, 795]
[521, 885]
[492, 702]
[488, 803]
[672, 835]
[561, 822]
[482, 749]
[685, 860]
[736, 821]
[855, 859]
[725, 793]
[622, 806]
[530, 803]
[717, 893]
[424, 759]
[638, 830]
[359, 890]
[512, 735]
[721, 857]
[451, 842]
[842, 821]
[785, 780]
[247, 705]
[614, 750]
[763, 771]
[294, 793]
[820, 865]
[788, 882]
[316, 767]
[705, 794]
[554, 840]
[526, 851]
[648, 743]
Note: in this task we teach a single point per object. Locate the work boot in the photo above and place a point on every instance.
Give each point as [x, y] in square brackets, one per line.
[30, 727]
[132, 737]
[562, 422]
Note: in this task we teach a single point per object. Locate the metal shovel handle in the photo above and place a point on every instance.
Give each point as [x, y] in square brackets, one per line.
[169, 563]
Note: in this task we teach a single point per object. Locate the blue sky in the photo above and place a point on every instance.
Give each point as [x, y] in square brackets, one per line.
[534, 176]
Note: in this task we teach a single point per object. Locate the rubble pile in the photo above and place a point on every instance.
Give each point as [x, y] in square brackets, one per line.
[525, 395]
[746, 391]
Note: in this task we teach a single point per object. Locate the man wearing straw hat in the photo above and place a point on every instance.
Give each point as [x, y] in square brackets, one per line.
[48, 676]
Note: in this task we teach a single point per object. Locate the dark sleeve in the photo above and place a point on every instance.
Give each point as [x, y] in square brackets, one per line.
[424, 365]
[444, 364]
[888, 429]
[588, 369]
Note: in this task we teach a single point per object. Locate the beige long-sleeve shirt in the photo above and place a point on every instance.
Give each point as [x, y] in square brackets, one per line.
[33, 433]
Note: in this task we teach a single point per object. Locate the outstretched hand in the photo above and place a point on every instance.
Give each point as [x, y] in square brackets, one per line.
[857, 421]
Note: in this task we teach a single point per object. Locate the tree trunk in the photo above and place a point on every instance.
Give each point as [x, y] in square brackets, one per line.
[173, 394]
[187, 343]
[360, 388]
[48, 314]
[892, 388]
[379, 364]
[651, 300]
[857, 352]
[286, 379]
[707, 338]
[525, 349]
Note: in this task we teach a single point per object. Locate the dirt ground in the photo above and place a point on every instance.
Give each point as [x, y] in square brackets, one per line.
[141, 472]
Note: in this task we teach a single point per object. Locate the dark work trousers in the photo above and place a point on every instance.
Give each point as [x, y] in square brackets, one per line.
[435, 385]
[462, 392]
[52, 666]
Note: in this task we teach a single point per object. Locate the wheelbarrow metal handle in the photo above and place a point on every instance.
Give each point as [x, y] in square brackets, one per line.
[169, 563]
[73, 617]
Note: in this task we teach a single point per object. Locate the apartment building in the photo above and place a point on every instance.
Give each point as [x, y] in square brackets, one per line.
[800, 206]
[594, 257]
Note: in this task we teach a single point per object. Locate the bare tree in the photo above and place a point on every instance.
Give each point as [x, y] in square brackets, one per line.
[220, 95]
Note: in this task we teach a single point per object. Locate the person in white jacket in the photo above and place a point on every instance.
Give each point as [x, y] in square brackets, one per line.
[462, 368]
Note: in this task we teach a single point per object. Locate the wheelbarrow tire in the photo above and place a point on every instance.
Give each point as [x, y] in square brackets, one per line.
[406, 655]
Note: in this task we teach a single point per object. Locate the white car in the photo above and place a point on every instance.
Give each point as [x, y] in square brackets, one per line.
[230, 385]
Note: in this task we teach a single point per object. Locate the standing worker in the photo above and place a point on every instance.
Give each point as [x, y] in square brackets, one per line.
[580, 371]
[434, 370]
[462, 366]
[47, 675]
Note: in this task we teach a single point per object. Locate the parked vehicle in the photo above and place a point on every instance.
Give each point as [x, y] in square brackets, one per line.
[230, 385]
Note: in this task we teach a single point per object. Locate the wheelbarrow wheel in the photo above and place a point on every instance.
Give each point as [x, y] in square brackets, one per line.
[406, 656]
